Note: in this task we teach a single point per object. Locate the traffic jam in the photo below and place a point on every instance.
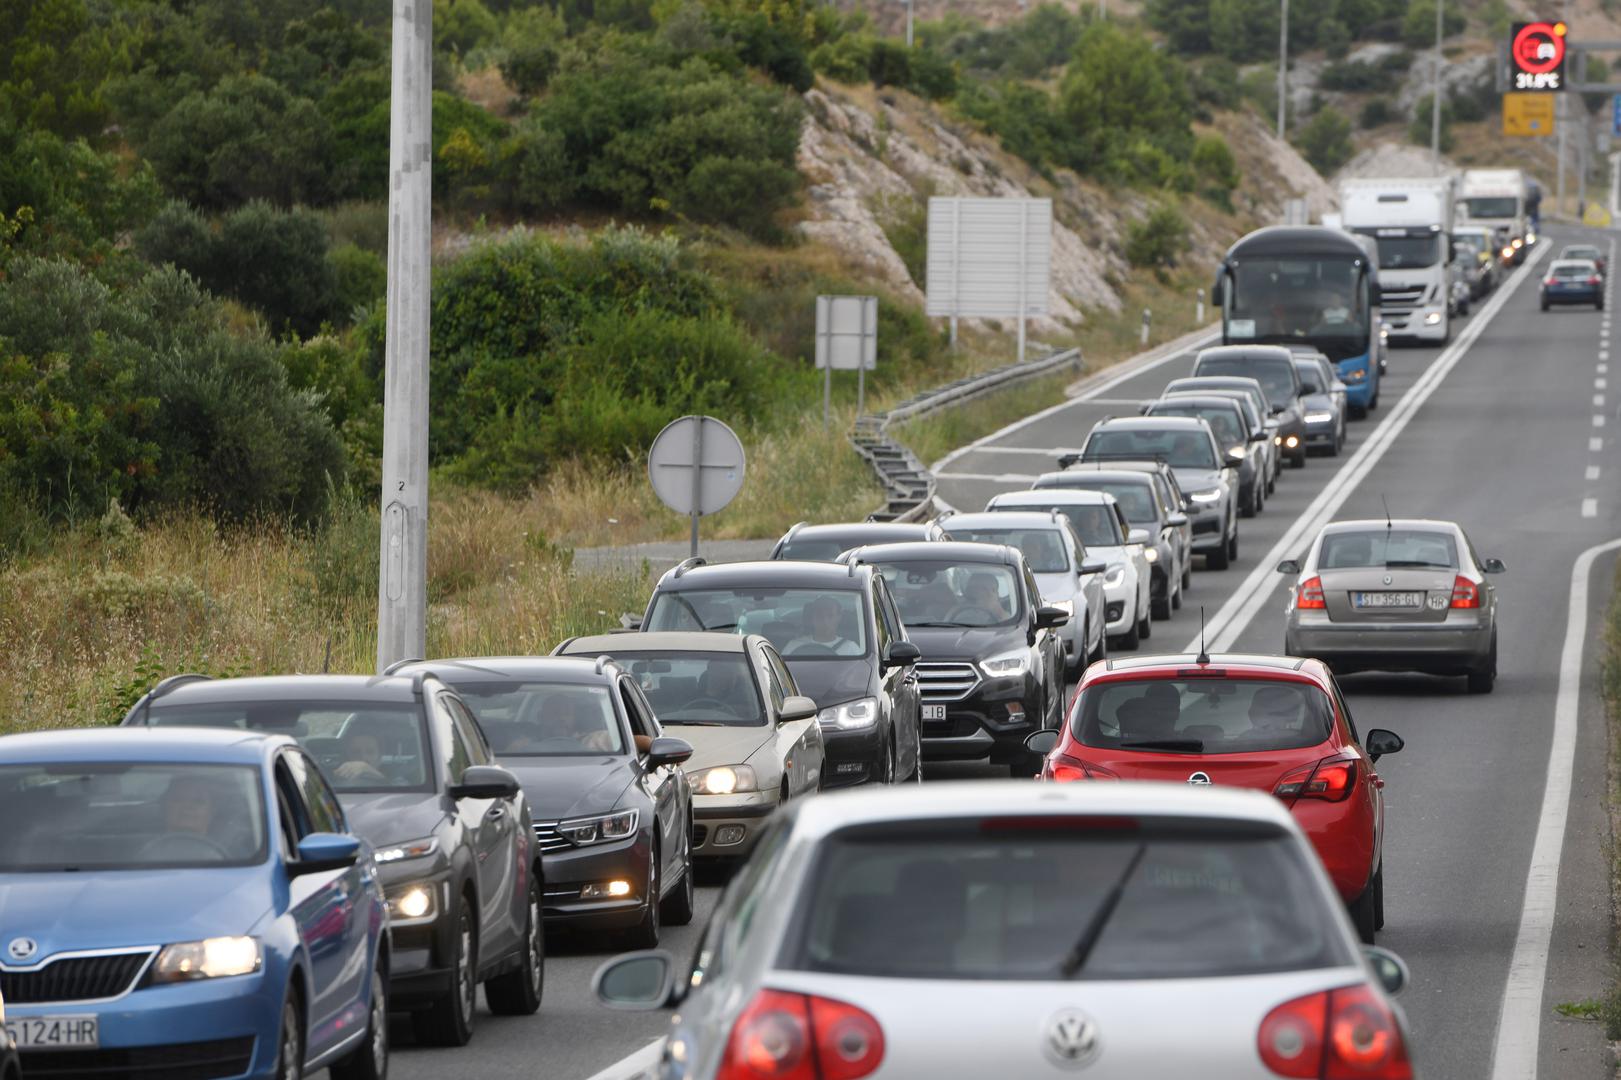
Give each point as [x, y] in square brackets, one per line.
[1180, 873]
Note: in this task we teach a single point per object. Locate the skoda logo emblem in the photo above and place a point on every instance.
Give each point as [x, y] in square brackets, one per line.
[22, 948]
[1072, 1039]
[1199, 778]
[1387, 579]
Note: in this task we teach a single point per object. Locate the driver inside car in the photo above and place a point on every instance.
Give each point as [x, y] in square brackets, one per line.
[362, 758]
[822, 632]
[188, 807]
[980, 592]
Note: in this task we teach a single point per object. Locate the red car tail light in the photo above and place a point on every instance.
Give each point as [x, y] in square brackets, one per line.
[1310, 594]
[1330, 779]
[1344, 1034]
[1064, 768]
[788, 1036]
[1548, 281]
[1465, 593]
[1595, 280]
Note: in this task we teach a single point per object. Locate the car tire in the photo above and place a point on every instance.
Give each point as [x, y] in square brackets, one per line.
[1159, 607]
[1101, 652]
[449, 1020]
[1131, 639]
[677, 908]
[1232, 544]
[1145, 626]
[290, 1041]
[645, 934]
[1599, 304]
[1187, 572]
[1364, 910]
[1379, 898]
[1483, 678]
[1217, 558]
[370, 1060]
[1300, 456]
[1359, 412]
[1545, 305]
[517, 992]
[1176, 597]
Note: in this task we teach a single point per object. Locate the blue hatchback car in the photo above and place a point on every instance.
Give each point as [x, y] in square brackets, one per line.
[1573, 281]
[185, 902]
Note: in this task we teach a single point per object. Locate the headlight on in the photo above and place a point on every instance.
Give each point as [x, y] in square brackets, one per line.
[1013, 663]
[1319, 417]
[1205, 496]
[1151, 554]
[1114, 575]
[413, 901]
[603, 829]
[1432, 319]
[851, 716]
[724, 780]
[411, 849]
[1508, 253]
[211, 958]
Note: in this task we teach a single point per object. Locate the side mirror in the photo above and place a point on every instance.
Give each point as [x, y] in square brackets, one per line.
[902, 653]
[1378, 742]
[630, 622]
[325, 851]
[485, 782]
[1388, 968]
[1176, 520]
[796, 707]
[1049, 618]
[1492, 566]
[1218, 291]
[1279, 410]
[1139, 536]
[668, 751]
[637, 982]
[1289, 566]
[1041, 742]
[1094, 567]
[1259, 436]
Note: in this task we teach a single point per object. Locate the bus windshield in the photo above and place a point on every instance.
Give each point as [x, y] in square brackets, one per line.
[1316, 299]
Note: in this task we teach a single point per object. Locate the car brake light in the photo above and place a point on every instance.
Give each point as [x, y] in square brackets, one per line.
[1337, 1035]
[1310, 594]
[1595, 280]
[788, 1036]
[1548, 281]
[1330, 779]
[1465, 593]
[1065, 768]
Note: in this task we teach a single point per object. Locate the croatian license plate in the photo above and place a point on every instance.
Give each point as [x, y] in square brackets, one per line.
[1388, 599]
[54, 1032]
[934, 712]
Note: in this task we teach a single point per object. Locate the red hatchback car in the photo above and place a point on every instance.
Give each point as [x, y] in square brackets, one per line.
[1276, 723]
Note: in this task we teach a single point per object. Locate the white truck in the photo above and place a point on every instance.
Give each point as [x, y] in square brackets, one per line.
[1410, 221]
[1501, 200]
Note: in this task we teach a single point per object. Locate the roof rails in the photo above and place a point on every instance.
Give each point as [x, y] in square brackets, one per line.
[603, 660]
[942, 515]
[394, 668]
[164, 686]
[418, 678]
[687, 564]
[793, 529]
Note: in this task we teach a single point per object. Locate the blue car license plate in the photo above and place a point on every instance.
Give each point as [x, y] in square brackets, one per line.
[54, 1032]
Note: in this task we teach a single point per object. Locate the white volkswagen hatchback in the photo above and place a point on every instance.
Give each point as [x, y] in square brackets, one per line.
[977, 930]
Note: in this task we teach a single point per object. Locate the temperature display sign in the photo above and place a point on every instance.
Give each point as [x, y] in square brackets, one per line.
[1537, 56]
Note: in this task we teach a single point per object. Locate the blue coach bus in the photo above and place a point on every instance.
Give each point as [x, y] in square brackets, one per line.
[1307, 285]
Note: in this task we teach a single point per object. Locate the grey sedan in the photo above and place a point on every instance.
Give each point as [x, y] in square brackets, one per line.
[1323, 396]
[1403, 595]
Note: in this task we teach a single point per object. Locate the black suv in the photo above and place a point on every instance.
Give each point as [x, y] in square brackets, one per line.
[992, 670]
[1273, 366]
[837, 629]
[824, 543]
[451, 829]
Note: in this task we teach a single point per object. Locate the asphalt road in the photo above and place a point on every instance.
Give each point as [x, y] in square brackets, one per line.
[1515, 442]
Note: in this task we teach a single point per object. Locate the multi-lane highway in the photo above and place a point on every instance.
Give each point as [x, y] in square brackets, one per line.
[1496, 861]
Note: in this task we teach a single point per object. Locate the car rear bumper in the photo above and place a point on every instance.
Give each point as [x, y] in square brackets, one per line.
[1572, 296]
[1440, 648]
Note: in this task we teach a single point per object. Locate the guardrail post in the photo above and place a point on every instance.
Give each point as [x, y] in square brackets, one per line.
[1148, 318]
[1198, 308]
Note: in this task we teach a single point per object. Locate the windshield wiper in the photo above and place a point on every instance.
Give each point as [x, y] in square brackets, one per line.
[914, 622]
[1188, 746]
[1077, 955]
[695, 723]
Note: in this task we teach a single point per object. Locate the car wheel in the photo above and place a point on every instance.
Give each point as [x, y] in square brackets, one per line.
[1145, 627]
[1102, 651]
[1176, 597]
[1359, 412]
[1599, 303]
[1483, 678]
[449, 1021]
[290, 1052]
[1300, 457]
[1379, 898]
[1232, 544]
[370, 1060]
[1545, 305]
[677, 908]
[1131, 639]
[1364, 911]
[1160, 606]
[517, 992]
[1217, 558]
[645, 935]
[1187, 571]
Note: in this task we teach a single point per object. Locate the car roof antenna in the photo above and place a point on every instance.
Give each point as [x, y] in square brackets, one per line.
[1386, 502]
[1204, 655]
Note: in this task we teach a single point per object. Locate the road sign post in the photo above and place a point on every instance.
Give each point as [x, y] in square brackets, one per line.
[696, 466]
[846, 338]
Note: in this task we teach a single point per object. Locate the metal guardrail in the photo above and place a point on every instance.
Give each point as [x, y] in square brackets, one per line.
[908, 484]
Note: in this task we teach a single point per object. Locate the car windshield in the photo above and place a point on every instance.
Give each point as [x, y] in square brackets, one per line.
[937, 592]
[1408, 252]
[1286, 299]
[1272, 375]
[1094, 522]
[362, 747]
[1043, 549]
[702, 688]
[1491, 206]
[537, 718]
[1223, 421]
[1470, 243]
[1203, 716]
[1419, 548]
[1311, 379]
[1055, 898]
[1177, 447]
[129, 816]
[803, 624]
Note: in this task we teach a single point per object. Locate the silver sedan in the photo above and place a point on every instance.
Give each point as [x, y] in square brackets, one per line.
[1004, 929]
[1402, 595]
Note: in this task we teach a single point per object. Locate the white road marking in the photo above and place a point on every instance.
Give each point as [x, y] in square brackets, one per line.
[1235, 615]
[634, 1066]
[1007, 477]
[1604, 354]
[1602, 368]
[1595, 445]
[1592, 472]
[1601, 383]
[1589, 508]
[1598, 419]
[1598, 401]
[1519, 1024]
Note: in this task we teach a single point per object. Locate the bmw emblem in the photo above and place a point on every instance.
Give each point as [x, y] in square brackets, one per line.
[1199, 779]
[22, 948]
[1071, 1040]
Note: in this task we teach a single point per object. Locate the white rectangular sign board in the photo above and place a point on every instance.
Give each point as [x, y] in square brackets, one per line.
[989, 258]
[847, 332]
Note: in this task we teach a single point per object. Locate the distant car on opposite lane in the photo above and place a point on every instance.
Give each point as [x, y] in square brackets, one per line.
[1573, 281]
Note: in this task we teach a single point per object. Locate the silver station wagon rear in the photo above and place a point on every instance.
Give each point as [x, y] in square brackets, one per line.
[994, 930]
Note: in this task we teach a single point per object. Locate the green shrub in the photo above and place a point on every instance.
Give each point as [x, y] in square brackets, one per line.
[1158, 240]
[1356, 76]
[180, 236]
[1023, 118]
[1215, 82]
[359, 279]
[1421, 129]
[78, 200]
[889, 64]
[1335, 38]
[1215, 167]
[1127, 105]
[1418, 23]
[1376, 113]
[845, 59]
[1325, 140]
[1244, 30]
[459, 26]
[531, 38]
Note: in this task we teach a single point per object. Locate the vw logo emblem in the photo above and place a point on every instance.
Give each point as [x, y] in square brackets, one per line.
[1387, 579]
[1199, 778]
[1072, 1039]
[22, 948]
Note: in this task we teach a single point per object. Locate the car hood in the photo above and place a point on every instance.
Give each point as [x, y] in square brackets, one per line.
[965, 642]
[386, 818]
[1317, 402]
[1058, 585]
[571, 786]
[1191, 480]
[832, 682]
[113, 909]
[720, 745]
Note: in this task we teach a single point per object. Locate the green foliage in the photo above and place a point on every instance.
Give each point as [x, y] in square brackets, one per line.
[1422, 126]
[1025, 48]
[359, 278]
[459, 26]
[1128, 105]
[54, 55]
[66, 197]
[1247, 30]
[1325, 140]
[1244, 30]
[1335, 38]
[1215, 167]
[1356, 76]
[1418, 23]
[1376, 113]
[1023, 118]
[1158, 240]
[1215, 82]
[531, 39]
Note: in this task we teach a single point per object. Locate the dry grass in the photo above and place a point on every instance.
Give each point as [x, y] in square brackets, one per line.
[932, 437]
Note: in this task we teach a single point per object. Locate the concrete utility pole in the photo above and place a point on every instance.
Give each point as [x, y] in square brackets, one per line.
[1283, 69]
[1435, 103]
[908, 24]
[1559, 124]
[402, 592]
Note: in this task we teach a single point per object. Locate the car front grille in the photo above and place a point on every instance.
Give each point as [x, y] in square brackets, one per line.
[945, 681]
[549, 839]
[700, 833]
[180, 1061]
[74, 978]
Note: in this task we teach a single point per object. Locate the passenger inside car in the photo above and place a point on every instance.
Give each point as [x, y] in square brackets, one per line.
[822, 632]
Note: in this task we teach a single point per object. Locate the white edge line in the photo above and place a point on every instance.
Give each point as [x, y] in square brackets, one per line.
[633, 1065]
[1519, 1024]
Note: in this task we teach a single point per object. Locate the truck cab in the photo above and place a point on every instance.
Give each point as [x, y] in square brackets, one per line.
[1410, 222]
[1503, 200]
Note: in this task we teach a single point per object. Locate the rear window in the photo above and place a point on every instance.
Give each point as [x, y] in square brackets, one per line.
[1575, 270]
[1061, 898]
[1177, 447]
[1043, 549]
[1273, 375]
[1391, 548]
[1311, 379]
[803, 624]
[1203, 716]
[1224, 422]
[1136, 499]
